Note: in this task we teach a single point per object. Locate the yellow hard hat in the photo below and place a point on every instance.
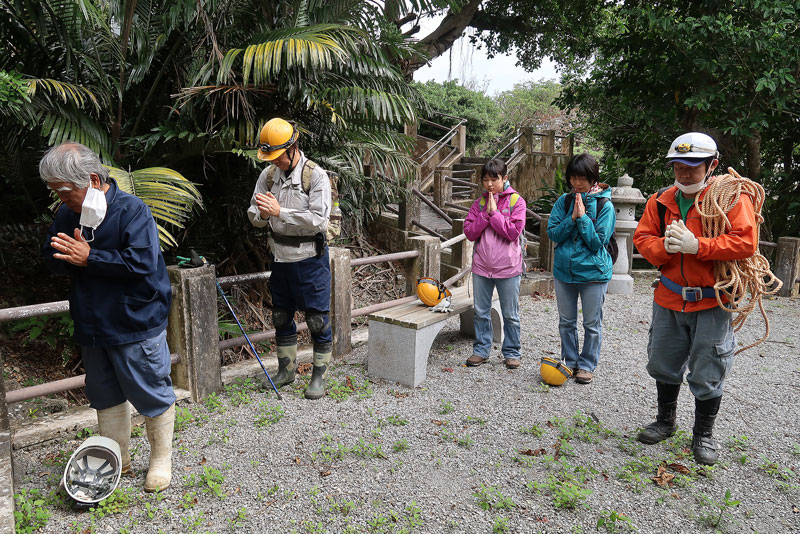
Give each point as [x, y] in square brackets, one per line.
[554, 372]
[430, 291]
[275, 137]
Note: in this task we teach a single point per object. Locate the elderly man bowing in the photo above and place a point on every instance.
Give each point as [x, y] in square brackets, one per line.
[107, 242]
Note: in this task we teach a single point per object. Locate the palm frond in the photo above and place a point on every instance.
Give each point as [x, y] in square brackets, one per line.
[312, 47]
[170, 197]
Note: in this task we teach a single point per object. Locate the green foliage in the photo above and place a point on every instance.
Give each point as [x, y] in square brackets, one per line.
[724, 68]
[490, 498]
[613, 521]
[268, 414]
[30, 511]
[714, 512]
[54, 330]
[453, 99]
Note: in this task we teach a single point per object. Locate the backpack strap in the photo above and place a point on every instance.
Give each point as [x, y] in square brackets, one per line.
[662, 209]
[272, 170]
[308, 172]
[511, 202]
[601, 202]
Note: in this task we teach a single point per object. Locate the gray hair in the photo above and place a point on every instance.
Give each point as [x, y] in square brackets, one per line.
[72, 163]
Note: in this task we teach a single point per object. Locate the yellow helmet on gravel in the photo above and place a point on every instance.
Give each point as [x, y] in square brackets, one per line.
[430, 291]
[554, 372]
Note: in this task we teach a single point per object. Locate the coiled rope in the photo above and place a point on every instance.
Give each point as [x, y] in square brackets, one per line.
[737, 278]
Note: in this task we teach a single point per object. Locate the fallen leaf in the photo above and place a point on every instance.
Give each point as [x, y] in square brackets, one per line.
[203, 460]
[437, 422]
[795, 509]
[237, 490]
[678, 468]
[304, 368]
[349, 383]
[675, 496]
[447, 369]
[325, 473]
[604, 475]
[663, 478]
[297, 460]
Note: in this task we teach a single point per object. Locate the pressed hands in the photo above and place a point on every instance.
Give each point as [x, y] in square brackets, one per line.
[678, 238]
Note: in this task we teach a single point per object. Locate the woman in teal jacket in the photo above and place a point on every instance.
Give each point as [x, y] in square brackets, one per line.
[582, 265]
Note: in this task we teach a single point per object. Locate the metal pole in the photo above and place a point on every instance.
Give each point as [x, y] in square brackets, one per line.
[433, 206]
[221, 292]
[428, 230]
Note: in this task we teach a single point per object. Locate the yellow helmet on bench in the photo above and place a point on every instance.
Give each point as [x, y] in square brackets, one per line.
[430, 291]
[554, 372]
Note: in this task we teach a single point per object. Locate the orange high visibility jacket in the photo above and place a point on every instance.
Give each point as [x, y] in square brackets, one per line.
[693, 270]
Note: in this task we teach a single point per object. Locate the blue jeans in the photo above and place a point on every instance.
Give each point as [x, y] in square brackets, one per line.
[508, 291]
[592, 295]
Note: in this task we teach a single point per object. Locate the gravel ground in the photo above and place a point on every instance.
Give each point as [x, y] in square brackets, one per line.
[474, 449]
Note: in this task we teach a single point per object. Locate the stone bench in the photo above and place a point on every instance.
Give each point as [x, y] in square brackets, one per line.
[400, 338]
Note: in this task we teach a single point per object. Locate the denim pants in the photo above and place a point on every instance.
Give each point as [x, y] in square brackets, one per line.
[137, 372]
[508, 291]
[592, 295]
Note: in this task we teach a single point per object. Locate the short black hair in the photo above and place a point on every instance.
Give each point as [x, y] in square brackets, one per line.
[494, 167]
[583, 165]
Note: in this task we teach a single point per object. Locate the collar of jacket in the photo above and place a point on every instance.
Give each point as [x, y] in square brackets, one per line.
[113, 190]
[507, 191]
[297, 173]
[668, 197]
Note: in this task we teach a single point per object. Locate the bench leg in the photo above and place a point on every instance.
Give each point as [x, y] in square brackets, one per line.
[400, 354]
[468, 324]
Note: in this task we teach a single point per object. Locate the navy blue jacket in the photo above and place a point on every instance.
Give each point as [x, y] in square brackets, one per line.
[123, 294]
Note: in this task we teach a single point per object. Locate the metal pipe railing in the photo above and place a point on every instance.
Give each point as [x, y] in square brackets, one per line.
[56, 386]
[34, 310]
[456, 206]
[452, 152]
[256, 337]
[428, 230]
[432, 206]
[438, 145]
[510, 143]
[227, 281]
[462, 182]
[453, 240]
[395, 256]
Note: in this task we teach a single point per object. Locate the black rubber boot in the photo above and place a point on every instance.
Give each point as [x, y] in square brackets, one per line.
[664, 426]
[704, 446]
[322, 357]
[287, 361]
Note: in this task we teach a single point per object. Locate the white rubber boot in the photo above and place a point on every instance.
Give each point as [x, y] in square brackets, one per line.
[115, 423]
[159, 434]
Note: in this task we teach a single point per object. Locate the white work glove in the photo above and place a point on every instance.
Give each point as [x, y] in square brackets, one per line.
[682, 239]
[672, 230]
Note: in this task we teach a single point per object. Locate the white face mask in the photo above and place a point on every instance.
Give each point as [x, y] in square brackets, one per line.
[694, 188]
[93, 210]
[691, 189]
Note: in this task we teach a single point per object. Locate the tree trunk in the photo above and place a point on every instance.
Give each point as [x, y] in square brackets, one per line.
[753, 155]
[442, 38]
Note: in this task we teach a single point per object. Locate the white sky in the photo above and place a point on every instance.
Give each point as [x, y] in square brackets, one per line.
[469, 64]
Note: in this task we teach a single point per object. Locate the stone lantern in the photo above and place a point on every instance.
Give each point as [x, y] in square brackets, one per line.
[625, 199]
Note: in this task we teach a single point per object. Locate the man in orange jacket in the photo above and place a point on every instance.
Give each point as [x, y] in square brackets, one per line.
[688, 328]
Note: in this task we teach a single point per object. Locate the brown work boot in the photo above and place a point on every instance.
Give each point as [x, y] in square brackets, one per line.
[512, 363]
[475, 360]
[583, 376]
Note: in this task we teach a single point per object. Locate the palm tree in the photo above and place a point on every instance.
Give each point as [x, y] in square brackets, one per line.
[65, 52]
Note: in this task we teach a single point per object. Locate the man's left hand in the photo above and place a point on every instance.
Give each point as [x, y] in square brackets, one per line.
[683, 240]
[73, 250]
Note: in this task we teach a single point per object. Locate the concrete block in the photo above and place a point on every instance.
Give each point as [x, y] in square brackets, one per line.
[407, 367]
[6, 485]
[467, 320]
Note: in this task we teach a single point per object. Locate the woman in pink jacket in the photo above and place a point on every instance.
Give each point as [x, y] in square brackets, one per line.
[495, 222]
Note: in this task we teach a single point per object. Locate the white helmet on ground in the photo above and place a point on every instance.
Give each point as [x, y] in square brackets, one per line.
[692, 149]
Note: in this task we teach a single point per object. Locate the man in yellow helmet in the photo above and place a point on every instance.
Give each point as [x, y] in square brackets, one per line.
[292, 198]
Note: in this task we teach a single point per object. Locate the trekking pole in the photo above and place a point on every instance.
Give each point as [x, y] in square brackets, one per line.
[230, 308]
